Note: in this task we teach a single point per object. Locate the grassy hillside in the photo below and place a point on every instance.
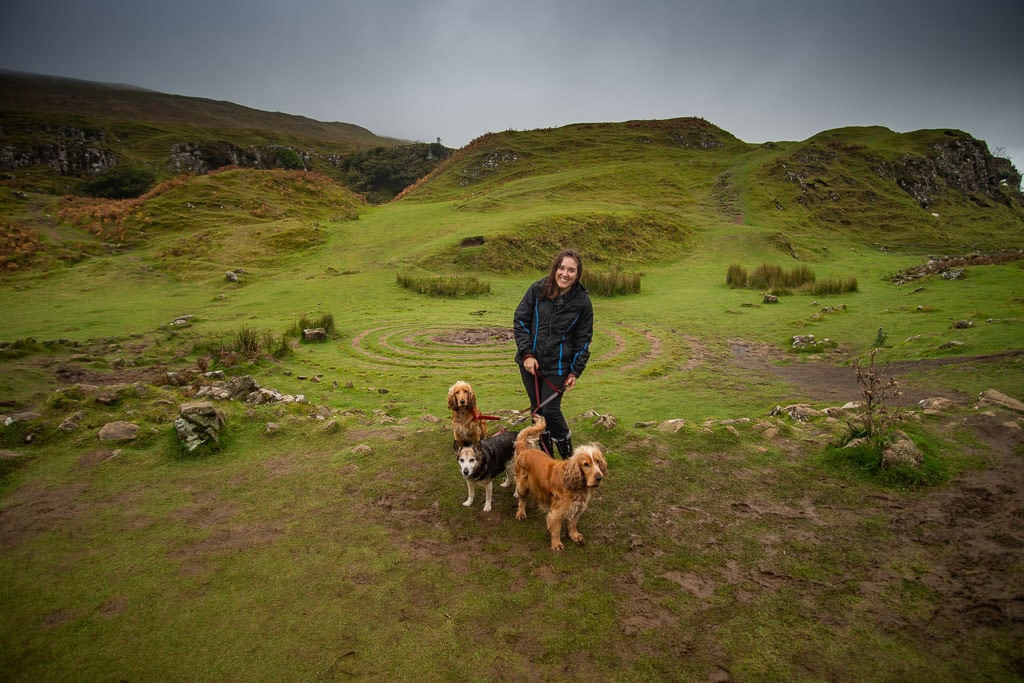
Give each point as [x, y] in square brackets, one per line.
[726, 543]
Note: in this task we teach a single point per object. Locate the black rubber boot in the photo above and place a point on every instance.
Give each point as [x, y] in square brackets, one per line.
[546, 444]
[565, 446]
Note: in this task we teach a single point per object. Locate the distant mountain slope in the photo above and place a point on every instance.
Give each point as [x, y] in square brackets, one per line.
[111, 102]
[54, 132]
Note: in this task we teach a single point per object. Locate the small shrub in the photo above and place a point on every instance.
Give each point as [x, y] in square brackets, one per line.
[120, 182]
[880, 338]
[445, 286]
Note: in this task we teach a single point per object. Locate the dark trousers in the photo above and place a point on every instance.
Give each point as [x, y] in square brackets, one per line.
[552, 412]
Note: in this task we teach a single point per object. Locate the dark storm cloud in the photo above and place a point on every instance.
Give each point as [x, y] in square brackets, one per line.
[456, 69]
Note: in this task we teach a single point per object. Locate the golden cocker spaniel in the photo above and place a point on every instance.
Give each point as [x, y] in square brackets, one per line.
[467, 427]
[562, 488]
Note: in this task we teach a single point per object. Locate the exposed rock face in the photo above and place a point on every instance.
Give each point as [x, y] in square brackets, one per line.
[202, 157]
[962, 163]
[70, 152]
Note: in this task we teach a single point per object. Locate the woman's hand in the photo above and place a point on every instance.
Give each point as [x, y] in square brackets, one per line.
[570, 382]
[530, 365]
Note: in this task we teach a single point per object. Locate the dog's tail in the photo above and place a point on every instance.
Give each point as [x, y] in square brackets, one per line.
[530, 437]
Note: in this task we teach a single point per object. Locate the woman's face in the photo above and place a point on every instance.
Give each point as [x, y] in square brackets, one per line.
[566, 274]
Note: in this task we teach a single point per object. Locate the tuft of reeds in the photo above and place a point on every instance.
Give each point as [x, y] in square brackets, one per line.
[612, 283]
[834, 285]
[445, 286]
[774, 279]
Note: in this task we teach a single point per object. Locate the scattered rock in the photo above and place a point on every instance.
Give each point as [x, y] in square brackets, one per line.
[770, 299]
[799, 412]
[71, 422]
[198, 423]
[673, 425]
[362, 449]
[936, 404]
[902, 452]
[992, 396]
[119, 431]
[315, 334]
[26, 416]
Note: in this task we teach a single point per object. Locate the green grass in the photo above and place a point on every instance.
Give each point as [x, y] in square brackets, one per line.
[289, 554]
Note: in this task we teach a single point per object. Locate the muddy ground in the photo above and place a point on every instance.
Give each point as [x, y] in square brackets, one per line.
[968, 537]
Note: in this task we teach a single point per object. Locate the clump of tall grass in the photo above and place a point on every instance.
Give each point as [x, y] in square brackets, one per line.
[737, 276]
[246, 343]
[833, 285]
[775, 279]
[323, 320]
[613, 283]
[445, 286]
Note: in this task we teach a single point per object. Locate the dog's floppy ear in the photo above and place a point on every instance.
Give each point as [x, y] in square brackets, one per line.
[572, 475]
[451, 396]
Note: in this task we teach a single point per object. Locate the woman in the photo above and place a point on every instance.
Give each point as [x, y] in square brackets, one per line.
[553, 326]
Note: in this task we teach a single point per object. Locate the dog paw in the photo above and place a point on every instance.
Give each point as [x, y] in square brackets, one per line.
[467, 503]
[520, 515]
[577, 538]
[557, 546]
[487, 508]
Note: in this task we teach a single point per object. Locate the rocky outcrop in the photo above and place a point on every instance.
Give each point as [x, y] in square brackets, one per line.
[205, 156]
[961, 163]
[68, 151]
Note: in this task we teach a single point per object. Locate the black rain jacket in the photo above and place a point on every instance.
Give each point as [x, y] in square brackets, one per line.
[557, 333]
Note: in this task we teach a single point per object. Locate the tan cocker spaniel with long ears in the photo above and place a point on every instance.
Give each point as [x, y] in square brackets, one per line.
[467, 427]
[562, 488]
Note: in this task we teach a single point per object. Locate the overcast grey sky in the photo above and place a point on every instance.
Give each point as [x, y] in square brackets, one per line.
[456, 69]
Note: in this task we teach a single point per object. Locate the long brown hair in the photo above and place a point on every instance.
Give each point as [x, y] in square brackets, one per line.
[550, 284]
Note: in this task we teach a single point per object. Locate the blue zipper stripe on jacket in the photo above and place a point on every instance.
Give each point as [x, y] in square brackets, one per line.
[536, 324]
[573, 363]
[561, 345]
